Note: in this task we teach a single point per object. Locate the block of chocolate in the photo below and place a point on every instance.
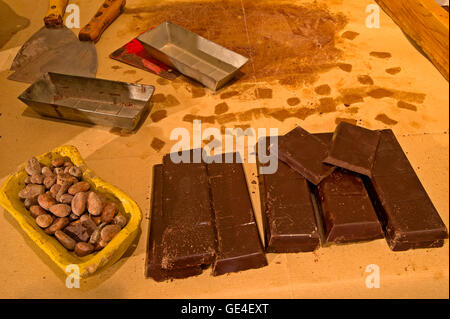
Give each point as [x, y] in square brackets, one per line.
[188, 239]
[409, 218]
[153, 264]
[346, 209]
[238, 243]
[288, 213]
[353, 148]
[304, 153]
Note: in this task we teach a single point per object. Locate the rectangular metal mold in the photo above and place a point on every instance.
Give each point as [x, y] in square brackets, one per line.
[192, 55]
[89, 100]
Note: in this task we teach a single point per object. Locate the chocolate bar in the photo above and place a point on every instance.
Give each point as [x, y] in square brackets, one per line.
[409, 218]
[304, 153]
[188, 239]
[347, 211]
[288, 213]
[238, 243]
[153, 265]
[353, 148]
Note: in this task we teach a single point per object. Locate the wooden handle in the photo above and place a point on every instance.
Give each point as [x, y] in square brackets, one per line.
[55, 13]
[109, 11]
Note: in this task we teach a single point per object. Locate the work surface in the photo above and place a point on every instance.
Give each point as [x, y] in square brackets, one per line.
[370, 76]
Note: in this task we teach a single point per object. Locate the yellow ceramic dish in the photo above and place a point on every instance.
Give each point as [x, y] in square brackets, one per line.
[9, 199]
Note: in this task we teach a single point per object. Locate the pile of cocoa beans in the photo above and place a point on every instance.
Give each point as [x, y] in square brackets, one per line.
[64, 206]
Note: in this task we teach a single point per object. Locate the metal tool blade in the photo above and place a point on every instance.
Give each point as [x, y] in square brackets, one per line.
[54, 50]
[44, 40]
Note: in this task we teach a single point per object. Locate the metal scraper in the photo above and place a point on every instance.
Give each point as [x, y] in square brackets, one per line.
[54, 48]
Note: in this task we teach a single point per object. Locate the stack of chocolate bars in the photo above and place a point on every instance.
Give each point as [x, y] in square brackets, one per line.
[201, 215]
[351, 186]
[363, 184]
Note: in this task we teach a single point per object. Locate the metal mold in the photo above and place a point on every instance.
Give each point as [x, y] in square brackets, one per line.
[89, 100]
[192, 55]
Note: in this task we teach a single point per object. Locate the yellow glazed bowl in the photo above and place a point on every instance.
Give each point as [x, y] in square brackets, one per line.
[89, 264]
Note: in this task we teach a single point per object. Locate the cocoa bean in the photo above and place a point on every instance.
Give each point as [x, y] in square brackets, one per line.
[28, 202]
[64, 187]
[58, 224]
[54, 190]
[82, 249]
[46, 171]
[31, 191]
[95, 237]
[79, 203]
[94, 204]
[65, 240]
[37, 210]
[49, 181]
[109, 212]
[57, 162]
[109, 232]
[44, 220]
[60, 210]
[46, 201]
[33, 167]
[37, 179]
[66, 199]
[65, 179]
[79, 187]
[120, 220]
[75, 172]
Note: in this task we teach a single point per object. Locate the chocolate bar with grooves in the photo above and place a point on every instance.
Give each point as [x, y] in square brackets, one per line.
[238, 243]
[189, 239]
[350, 184]
[153, 263]
[288, 213]
[408, 216]
[346, 209]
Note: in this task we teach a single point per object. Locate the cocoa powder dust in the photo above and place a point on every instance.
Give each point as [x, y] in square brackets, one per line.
[285, 42]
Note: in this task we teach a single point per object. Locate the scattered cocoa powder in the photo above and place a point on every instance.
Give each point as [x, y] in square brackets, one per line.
[304, 44]
[385, 119]
[380, 55]
[350, 35]
[323, 89]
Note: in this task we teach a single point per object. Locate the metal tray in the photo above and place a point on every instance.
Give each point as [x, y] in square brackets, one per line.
[192, 55]
[89, 100]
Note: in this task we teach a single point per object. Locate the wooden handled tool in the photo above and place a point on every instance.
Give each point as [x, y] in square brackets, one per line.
[55, 13]
[109, 11]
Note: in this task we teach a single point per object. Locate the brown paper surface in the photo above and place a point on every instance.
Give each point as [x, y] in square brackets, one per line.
[125, 160]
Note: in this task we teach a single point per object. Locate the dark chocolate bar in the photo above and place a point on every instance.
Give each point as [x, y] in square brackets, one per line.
[409, 218]
[353, 148]
[288, 214]
[304, 153]
[238, 242]
[188, 239]
[153, 267]
[346, 209]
